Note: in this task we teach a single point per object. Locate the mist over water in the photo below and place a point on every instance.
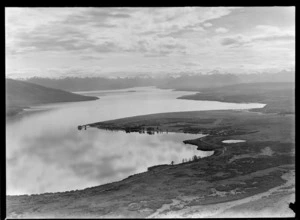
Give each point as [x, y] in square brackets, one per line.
[46, 153]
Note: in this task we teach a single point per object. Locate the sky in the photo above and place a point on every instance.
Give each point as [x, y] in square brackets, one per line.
[118, 42]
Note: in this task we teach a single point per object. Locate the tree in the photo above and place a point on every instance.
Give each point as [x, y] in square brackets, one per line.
[195, 158]
[172, 163]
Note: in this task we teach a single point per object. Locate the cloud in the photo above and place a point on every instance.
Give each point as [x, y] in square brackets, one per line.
[157, 54]
[233, 40]
[179, 32]
[103, 13]
[63, 38]
[106, 47]
[221, 30]
[96, 16]
[89, 57]
[279, 37]
[50, 37]
[207, 24]
[156, 46]
[241, 40]
[268, 28]
[44, 35]
[71, 31]
[192, 63]
[104, 30]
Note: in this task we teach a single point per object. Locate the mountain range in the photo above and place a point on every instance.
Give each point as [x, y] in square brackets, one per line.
[191, 82]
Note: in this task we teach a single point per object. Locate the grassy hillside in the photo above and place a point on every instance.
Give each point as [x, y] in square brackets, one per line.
[21, 94]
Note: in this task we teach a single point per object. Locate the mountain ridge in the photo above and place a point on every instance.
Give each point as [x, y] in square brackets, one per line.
[188, 82]
[20, 95]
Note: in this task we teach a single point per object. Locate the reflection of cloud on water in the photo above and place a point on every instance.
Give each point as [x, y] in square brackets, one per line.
[59, 148]
[99, 170]
[83, 159]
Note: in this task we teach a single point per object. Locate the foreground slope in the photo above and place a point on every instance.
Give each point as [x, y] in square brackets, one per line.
[21, 94]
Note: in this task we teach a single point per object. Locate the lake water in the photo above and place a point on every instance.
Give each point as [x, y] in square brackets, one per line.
[233, 141]
[46, 153]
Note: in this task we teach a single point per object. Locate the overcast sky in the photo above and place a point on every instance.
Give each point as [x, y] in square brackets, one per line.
[59, 42]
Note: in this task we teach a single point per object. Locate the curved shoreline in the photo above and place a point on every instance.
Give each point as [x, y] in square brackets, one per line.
[212, 179]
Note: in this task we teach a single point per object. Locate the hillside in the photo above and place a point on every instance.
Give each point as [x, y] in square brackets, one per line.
[20, 95]
[279, 97]
[282, 76]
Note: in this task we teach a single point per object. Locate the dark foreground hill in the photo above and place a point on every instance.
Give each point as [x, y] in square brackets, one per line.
[20, 95]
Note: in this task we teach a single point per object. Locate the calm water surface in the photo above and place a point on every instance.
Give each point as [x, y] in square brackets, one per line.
[233, 141]
[46, 153]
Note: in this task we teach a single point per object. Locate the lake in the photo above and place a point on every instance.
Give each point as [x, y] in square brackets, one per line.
[46, 153]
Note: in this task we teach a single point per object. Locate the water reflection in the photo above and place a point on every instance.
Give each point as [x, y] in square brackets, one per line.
[83, 159]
